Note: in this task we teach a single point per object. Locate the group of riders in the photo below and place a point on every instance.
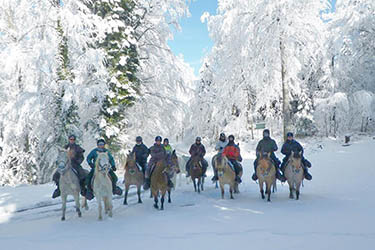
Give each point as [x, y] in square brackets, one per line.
[161, 151]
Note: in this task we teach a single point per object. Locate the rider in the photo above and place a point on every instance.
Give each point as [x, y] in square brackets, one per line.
[141, 153]
[76, 164]
[167, 146]
[232, 152]
[268, 145]
[220, 145]
[91, 159]
[197, 150]
[290, 146]
[158, 153]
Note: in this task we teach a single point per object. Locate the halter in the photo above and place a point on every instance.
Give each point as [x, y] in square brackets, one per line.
[62, 164]
[103, 165]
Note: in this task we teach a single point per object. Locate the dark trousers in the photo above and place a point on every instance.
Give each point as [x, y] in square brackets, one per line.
[81, 174]
[275, 160]
[305, 162]
[236, 165]
[143, 165]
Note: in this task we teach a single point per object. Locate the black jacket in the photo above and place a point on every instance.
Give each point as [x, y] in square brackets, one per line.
[141, 153]
[267, 145]
[290, 146]
[197, 150]
[78, 154]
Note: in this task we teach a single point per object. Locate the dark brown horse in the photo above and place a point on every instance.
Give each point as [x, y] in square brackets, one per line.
[133, 176]
[196, 172]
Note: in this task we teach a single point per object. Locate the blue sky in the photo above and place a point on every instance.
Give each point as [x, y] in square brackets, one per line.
[193, 41]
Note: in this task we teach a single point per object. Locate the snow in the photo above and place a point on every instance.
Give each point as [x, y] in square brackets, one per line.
[335, 210]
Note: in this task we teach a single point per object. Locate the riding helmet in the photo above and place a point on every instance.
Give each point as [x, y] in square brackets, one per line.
[231, 136]
[289, 134]
[166, 140]
[100, 141]
[266, 133]
[158, 138]
[72, 136]
[222, 135]
[198, 139]
[138, 139]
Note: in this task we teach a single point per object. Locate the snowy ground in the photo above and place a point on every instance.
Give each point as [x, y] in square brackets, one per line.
[335, 210]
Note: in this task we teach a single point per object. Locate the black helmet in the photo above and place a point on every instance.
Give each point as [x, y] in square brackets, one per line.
[158, 138]
[72, 136]
[166, 140]
[231, 136]
[138, 139]
[198, 139]
[100, 141]
[266, 133]
[222, 135]
[289, 134]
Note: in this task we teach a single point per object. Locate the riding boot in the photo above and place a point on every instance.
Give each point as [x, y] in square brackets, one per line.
[83, 187]
[215, 178]
[147, 184]
[306, 173]
[238, 179]
[187, 168]
[170, 183]
[280, 176]
[255, 177]
[89, 192]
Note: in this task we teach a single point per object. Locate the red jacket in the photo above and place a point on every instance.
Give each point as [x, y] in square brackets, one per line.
[232, 152]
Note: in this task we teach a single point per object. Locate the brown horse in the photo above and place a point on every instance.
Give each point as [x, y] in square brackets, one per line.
[174, 170]
[266, 173]
[133, 176]
[159, 181]
[196, 172]
[226, 175]
[294, 173]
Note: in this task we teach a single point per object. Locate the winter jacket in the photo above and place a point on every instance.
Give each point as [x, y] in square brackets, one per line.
[220, 145]
[91, 158]
[290, 146]
[232, 151]
[78, 154]
[157, 152]
[141, 153]
[266, 145]
[168, 149]
[197, 150]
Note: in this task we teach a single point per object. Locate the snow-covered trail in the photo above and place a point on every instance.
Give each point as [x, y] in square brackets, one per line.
[335, 210]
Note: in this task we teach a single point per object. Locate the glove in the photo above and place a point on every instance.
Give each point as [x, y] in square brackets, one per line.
[221, 148]
[92, 165]
[114, 168]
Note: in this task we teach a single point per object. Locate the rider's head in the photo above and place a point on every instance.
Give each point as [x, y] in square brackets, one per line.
[100, 143]
[166, 141]
[266, 133]
[198, 140]
[289, 136]
[138, 140]
[222, 137]
[72, 139]
[231, 138]
[158, 140]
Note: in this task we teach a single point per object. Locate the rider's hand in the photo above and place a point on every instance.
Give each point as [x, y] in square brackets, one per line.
[114, 169]
[92, 165]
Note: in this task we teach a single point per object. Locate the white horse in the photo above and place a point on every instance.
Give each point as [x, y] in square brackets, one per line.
[69, 182]
[102, 184]
[294, 173]
[182, 160]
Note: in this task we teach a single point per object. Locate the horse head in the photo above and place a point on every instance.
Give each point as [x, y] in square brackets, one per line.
[63, 160]
[220, 164]
[102, 163]
[296, 160]
[131, 164]
[265, 163]
[174, 161]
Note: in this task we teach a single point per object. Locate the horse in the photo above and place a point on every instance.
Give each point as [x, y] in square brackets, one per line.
[69, 182]
[102, 184]
[133, 176]
[182, 160]
[294, 173]
[159, 181]
[196, 172]
[226, 175]
[266, 173]
[174, 160]
[213, 164]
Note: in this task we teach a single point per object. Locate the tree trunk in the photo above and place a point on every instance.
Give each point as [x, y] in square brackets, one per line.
[285, 89]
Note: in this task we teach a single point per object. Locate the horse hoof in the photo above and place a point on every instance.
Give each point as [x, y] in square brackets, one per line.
[162, 208]
[156, 206]
[169, 201]
[63, 218]
[139, 201]
[125, 203]
[80, 214]
[268, 200]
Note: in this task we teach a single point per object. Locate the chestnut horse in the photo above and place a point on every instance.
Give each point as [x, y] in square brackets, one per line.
[196, 172]
[133, 176]
[266, 173]
[226, 175]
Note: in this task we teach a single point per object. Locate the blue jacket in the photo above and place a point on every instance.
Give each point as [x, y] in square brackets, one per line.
[91, 158]
[290, 146]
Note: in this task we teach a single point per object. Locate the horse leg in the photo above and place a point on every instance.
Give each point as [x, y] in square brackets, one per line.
[291, 192]
[261, 189]
[126, 196]
[195, 185]
[199, 185]
[99, 199]
[222, 191]
[139, 194]
[169, 196]
[109, 206]
[84, 203]
[202, 184]
[156, 200]
[76, 200]
[216, 185]
[63, 198]
[162, 201]
[268, 190]
[231, 191]
[297, 190]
